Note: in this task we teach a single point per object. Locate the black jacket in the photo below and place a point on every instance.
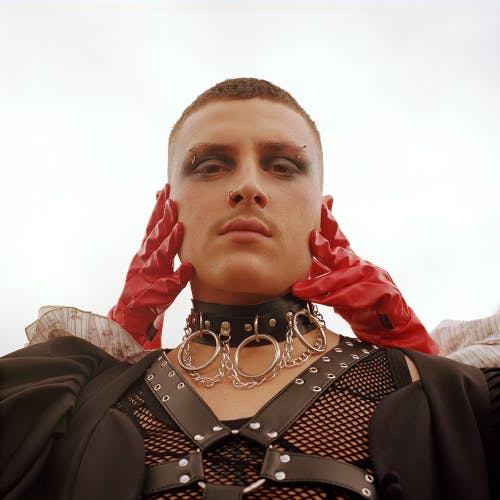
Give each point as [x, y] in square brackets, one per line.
[60, 438]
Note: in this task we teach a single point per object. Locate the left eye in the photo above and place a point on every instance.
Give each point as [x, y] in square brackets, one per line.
[283, 167]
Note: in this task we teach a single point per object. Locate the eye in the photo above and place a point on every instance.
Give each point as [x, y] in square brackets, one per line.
[209, 168]
[283, 167]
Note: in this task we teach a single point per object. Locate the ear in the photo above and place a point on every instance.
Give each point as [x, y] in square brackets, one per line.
[328, 201]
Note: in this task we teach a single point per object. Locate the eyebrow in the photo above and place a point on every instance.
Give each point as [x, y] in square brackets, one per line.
[212, 148]
[282, 146]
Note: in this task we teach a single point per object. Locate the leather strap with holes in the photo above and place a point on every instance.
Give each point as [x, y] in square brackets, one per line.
[174, 473]
[284, 467]
[182, 403]
[222, 492]
[287, 406]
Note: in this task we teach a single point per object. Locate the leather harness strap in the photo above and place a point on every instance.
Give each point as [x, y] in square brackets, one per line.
[188, 410]
[284, 409]
[174, 473]
[201, 425]
[222, 492]
[287, 467]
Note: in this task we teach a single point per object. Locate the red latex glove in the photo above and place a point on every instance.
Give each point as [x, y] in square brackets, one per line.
[151, 284]
[363, 294]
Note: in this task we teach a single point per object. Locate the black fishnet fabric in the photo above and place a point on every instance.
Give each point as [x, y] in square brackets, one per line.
[162, 441]
[335, 426]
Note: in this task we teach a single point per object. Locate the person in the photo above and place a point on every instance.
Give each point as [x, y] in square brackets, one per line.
[260, 400]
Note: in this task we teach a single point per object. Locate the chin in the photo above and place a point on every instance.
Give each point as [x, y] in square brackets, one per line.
[251, 281]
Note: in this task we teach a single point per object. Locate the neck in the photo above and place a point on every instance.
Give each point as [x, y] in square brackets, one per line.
[203, 293]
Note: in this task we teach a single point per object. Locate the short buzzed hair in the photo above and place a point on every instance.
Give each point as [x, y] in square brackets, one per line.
[243, 88]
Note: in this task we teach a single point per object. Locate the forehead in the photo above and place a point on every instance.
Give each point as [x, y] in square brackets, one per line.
[243, 123]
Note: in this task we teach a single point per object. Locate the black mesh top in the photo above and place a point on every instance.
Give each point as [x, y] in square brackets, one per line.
[334, 426]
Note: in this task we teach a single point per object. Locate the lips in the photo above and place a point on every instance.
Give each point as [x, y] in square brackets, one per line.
[252, 225]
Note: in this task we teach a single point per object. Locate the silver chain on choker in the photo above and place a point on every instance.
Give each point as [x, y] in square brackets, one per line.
[231, 367]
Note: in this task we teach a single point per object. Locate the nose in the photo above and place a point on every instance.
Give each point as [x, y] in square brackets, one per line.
[248, 191]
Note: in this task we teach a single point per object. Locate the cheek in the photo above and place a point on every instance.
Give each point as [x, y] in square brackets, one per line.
[304, 213]
[184, 197]
[191, 220]
[194, 223]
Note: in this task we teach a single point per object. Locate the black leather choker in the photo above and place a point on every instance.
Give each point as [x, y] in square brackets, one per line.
[272, 319]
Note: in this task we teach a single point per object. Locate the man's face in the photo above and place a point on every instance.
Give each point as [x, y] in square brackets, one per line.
[245, 175]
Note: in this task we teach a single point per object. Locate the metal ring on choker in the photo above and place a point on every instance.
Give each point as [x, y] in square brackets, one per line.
[181, 354]
[307, 313]
[277, 353]
[256, 337]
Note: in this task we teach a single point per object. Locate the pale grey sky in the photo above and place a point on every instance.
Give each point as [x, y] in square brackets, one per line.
[406, 95]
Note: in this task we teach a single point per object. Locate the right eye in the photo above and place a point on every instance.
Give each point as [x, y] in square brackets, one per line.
[209, 168]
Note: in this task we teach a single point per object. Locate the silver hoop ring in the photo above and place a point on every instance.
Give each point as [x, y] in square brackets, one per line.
[188, 340]
[257, 337]
[313, 319]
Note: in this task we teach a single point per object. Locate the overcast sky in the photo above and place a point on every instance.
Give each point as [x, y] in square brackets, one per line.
[406, 95]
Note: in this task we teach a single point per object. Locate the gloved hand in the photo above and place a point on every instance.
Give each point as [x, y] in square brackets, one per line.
[151, 284]
[362, 293]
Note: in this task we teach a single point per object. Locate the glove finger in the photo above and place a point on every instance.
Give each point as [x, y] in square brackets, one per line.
[320, 248]
[359, 287]
[318, 269]
[347, 276]
[301, 288]
[165, 189]
[163, 291]
[162, 259]
[169, 215]
[160, 232]
[156, 214]
[330, 229]
[328, 256]
[333, 257]
[184, 273]
[318, 289]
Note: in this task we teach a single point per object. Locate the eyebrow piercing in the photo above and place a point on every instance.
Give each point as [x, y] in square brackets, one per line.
[303, 147]
[194, 157]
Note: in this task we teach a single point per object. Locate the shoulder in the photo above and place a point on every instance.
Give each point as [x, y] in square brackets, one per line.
[450, 385]
[44, 389]
[429, 365]
[63, 354]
